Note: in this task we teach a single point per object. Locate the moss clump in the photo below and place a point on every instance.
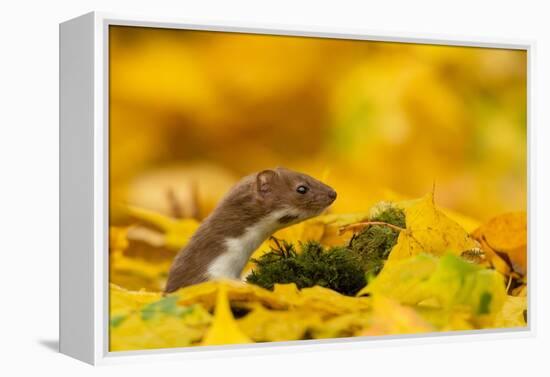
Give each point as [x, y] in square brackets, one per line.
[374, 243]
[342, 268]
[389, 213]
[337, 268]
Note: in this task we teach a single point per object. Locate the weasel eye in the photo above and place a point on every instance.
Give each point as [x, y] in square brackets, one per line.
[302, 189]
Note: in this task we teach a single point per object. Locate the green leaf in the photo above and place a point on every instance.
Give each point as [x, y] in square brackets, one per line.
[449, 283]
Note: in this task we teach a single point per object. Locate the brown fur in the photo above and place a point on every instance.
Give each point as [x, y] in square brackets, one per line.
[251, 199]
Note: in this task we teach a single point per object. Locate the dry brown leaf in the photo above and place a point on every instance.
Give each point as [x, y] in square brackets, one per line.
[224, 329]
[513, 313]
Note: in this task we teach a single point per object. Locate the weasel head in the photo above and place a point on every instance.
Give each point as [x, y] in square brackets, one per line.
[294, 196]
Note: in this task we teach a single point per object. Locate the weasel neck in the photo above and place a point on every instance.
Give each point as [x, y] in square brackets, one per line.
[239, 249]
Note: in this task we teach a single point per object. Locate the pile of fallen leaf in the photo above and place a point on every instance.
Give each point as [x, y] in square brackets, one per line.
[445, 273]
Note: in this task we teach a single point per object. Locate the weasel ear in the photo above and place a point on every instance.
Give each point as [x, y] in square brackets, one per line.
[264, 181]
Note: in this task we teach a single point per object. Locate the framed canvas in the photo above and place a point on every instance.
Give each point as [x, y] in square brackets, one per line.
[246, 189]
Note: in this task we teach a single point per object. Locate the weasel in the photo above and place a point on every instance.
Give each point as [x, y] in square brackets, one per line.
[256, 207]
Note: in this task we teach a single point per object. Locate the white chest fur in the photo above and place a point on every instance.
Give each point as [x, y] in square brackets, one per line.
[238, 250]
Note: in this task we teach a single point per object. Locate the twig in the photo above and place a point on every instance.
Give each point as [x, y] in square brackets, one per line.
[365, 224]
[509, 283]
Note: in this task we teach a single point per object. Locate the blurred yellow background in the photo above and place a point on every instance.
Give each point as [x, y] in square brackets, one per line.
[191, 112]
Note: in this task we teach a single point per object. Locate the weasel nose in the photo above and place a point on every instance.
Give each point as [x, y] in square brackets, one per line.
[332, 194]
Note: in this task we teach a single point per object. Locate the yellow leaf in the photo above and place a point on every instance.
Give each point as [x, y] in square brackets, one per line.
[239, 293]
[143, 320]
[319, 300]
[135, 334]
[390, 317]
[448, 282]
[117, 238]
[402, 279]
[520, 291]
[264, 325]
[513, 313]
[284, 296]
[122, 301]
[493, 259]
[344, 325]
[505, 237]
[176, 231]
[224, 329]
[326, 301]
[162, 331]
[137, 273]
[430, 231]
[444, 320]
[287, 292]
[333, 222]
[310, 230]
[323, 301]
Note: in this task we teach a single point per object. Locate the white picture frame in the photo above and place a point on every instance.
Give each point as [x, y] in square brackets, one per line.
[84, 189]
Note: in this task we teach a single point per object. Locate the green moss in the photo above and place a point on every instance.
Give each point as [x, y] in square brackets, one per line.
[374, 243]
[337, 268]
[341, 268]
[390, 214]
[373, 246]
